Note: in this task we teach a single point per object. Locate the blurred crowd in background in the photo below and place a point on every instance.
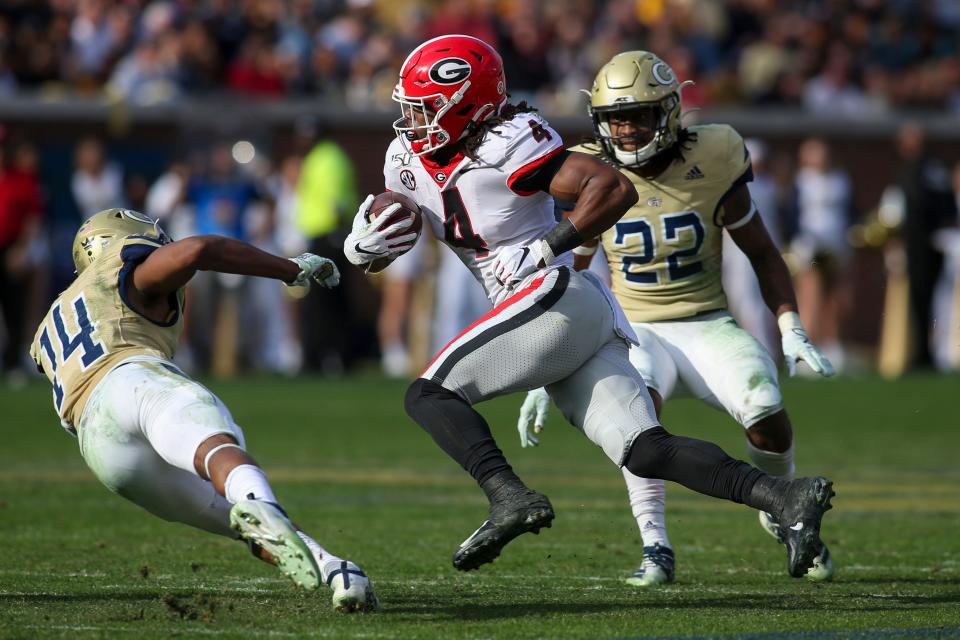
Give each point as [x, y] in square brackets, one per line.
[832, 56]
[306, 201]
[853, 57]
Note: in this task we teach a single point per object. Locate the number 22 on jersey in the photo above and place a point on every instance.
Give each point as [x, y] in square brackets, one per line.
[62, 346]
[683, 232]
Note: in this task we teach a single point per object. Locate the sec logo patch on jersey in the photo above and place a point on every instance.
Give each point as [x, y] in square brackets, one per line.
[408, 179]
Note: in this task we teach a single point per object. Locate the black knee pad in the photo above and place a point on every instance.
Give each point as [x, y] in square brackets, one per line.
[648, 453]
[422, 390]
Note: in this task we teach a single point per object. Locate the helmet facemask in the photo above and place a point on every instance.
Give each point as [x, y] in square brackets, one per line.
[653, 129]
[429, 137]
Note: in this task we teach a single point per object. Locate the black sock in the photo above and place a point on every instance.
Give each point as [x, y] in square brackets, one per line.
[703, 467]
[461, 432]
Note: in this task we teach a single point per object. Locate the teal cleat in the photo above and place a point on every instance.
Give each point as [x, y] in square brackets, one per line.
[266, 525]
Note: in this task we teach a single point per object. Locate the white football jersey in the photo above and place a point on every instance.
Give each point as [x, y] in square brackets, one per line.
[475, 206]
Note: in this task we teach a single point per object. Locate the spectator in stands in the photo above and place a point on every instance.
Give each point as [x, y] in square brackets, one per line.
[929, 205]
[21, 218]
[833, 91]
[820, 249]
[165, 200]
[289, 240]
[150, 73]
[831, 56]
[97, 183]
[257, 71]
[396, 308]
[327, 197]
[222, 197]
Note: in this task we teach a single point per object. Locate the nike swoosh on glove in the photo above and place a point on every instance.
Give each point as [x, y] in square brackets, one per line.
[368, 240]
[516, 262]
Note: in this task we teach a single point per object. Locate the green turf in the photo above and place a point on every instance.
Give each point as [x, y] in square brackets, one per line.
[77, 561]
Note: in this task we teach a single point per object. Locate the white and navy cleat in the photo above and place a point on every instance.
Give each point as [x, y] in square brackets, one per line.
[657, 567]
[352, 589]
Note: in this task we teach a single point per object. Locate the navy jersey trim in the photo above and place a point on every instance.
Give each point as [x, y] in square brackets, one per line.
[133, 255]
[745, 177]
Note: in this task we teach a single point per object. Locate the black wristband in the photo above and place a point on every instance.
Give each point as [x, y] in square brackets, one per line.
[563, 238]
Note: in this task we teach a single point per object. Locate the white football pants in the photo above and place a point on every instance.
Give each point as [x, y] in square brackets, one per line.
[139, 434]
[562, 332]
[709, 357]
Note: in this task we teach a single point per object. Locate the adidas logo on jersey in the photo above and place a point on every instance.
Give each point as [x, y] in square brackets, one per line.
[694, 174]
[654, 202]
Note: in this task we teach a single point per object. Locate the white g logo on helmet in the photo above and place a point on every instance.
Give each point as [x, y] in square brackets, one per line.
[450, 71]
[662, 73]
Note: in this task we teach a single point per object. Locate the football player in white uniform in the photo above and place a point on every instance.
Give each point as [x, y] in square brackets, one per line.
[146, 430]
[664, 256]
[485, 173]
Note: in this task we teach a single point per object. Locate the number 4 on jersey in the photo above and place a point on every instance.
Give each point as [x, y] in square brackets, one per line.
[457, 228]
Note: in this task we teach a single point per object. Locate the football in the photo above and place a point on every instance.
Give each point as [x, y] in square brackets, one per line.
[407, 207]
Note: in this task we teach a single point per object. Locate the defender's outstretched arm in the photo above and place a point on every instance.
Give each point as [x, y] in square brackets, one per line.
[171, 266]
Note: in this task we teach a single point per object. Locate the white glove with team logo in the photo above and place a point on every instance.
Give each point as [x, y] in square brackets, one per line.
[797, 346]
[368, 241]
[534, 408]
[316, 268]
[515, 263]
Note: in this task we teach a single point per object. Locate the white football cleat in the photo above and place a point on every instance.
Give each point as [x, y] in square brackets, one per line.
[352, 589]
[267, 526]
[657, 568]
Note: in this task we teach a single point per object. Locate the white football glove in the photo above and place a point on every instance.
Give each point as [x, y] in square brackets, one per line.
[368, 241]
[316, 268]
[515, 263]
[535, 407]
[797, 346]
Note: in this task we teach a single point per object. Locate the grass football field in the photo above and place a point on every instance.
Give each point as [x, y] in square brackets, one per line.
[79, 562]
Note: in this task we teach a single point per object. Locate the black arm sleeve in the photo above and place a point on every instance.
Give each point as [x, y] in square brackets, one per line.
[540, 178]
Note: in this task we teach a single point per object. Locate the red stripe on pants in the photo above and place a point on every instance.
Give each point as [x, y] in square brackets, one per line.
[509, 302]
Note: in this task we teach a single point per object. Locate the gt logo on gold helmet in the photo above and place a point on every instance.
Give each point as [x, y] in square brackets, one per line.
[632, 82]
[104, 228]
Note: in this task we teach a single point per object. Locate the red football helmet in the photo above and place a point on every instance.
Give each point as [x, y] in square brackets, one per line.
[455, 81]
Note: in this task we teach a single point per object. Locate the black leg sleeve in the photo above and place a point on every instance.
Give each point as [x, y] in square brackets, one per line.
[459, 430]
[703, 467]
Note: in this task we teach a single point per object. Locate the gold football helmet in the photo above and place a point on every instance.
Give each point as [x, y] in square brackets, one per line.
[104, 228]
[642, 88]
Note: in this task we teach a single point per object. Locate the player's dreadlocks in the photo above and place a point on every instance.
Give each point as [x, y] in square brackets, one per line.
[509, 111]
